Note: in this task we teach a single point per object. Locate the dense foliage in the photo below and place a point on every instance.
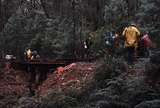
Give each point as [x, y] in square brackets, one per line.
[58, 29]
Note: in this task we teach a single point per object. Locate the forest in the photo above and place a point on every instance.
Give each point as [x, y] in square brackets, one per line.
[53, 27]
[99, 76]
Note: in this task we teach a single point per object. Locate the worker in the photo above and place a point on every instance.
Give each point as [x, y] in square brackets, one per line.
[109, 38]
[131, 35]
[35, 55]
[111, 42]
[144, 45]
[87, 46]
[28, 54]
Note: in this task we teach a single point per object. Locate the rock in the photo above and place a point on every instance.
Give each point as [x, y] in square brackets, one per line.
[149, 104]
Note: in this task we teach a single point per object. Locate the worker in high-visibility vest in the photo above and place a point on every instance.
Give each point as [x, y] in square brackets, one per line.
[131, 35]
[28, 54]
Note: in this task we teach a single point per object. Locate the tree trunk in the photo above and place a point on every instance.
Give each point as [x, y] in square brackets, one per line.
[132, 7]
[44, 8]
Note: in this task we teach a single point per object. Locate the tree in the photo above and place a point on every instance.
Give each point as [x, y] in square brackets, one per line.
[132, 6]
[115, 14]
[7, 9]
[148, 16]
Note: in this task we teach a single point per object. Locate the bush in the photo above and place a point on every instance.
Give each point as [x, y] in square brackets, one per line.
[149, 104]
[58, 100]
[110, 67]
[152, 69]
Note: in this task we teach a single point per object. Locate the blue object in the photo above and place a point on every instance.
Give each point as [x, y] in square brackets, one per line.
[109, 38]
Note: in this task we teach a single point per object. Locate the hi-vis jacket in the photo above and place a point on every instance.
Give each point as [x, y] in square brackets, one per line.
[131, 34]
[29, 54]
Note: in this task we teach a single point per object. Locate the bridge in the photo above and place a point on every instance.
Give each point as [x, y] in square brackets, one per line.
[38, 69]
